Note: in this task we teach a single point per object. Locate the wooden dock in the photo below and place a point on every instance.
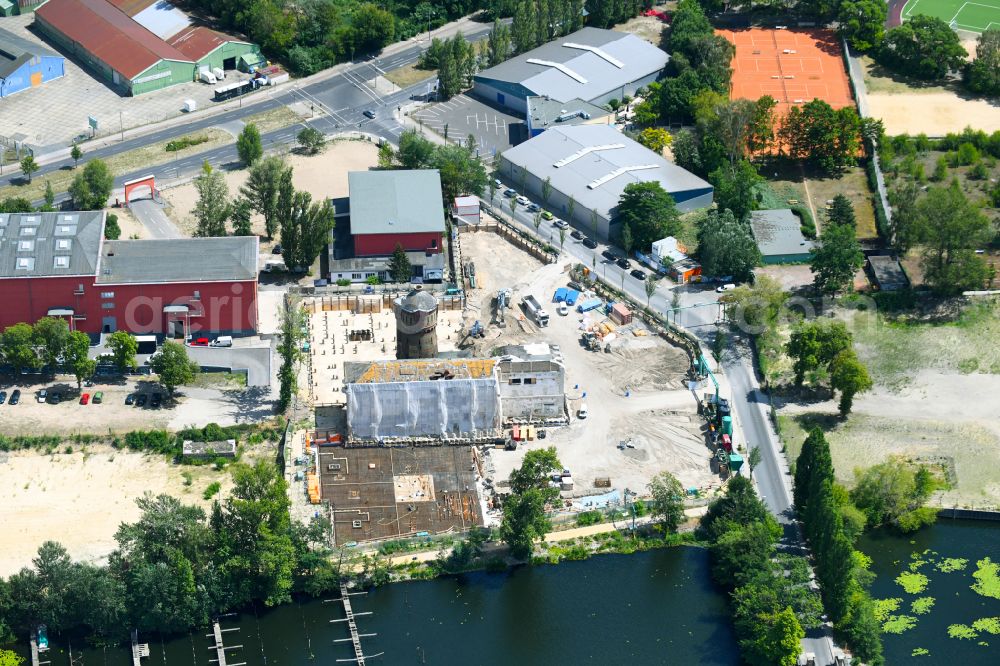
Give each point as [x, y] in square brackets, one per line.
[139, 650]
[220, 646]
[355, 638]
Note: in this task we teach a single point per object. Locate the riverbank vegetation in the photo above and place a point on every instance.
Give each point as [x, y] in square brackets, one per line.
[176, 567]
[771, 596]
[832, 525]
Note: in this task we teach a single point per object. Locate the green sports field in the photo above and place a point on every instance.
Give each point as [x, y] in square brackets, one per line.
[975, 16]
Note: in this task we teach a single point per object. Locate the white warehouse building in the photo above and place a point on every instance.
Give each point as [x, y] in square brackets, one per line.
[592, 165]
[592, 65]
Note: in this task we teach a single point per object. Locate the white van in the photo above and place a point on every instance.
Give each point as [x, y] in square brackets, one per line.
[582, 412]
[222, 341]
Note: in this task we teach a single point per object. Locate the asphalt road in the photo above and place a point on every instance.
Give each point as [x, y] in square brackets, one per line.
[344, 97]
[151, 215]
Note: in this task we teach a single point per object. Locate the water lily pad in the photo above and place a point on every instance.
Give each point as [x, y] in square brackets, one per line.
[885, 607]
[989, 625]
[951, 564]
[920, 652]
[897, 624]
[922, 605]
[987, 578]
[963, 631]
[912, 582]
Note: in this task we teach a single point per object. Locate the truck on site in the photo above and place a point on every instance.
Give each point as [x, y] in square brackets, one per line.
[535, 310]
[589, 304]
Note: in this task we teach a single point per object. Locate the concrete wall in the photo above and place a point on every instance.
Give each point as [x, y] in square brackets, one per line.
[45, 67]
[627, 89]
[509, 95]
[227, 307]
[531, 390]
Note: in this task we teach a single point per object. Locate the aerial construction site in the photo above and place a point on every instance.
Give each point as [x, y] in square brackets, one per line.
[426, 401]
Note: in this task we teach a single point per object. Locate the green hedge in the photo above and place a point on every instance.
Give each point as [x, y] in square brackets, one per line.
[806, 223]
[185, 142]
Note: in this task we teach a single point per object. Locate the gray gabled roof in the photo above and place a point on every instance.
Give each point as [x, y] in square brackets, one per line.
[15, 51]
[609, 60]
[594, 163]
[396, 202]
[50, 244]
[546, 112]
[229, 258]
[778, 232]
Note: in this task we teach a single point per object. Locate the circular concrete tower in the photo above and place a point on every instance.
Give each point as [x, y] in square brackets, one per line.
[416, 325]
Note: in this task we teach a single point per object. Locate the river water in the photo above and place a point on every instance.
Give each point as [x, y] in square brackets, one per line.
[954, 601]
[657, 607]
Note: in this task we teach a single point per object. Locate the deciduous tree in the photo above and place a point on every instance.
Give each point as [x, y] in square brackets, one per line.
[212, 208]
[311, 140]
[649, 211]
[668, 500]
[837, 258]
[76, 359]
[248, 145]
[817, 133]
[814, 344]
[655, 138]
[51, 335]
[726, 246]
[173, 367]
[862, 23]
[736, 188]
[91, 188]
[17, 347]
[400, 268]
[124, 347]
[849, 376]
[261, 189]
[924, 47]
[951, 229]
[29, 166]
[982, 75]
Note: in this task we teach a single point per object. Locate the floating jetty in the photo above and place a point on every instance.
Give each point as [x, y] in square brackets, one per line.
[355, 637]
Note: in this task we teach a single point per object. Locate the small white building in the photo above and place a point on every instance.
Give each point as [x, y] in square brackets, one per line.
[669, 249]
[466, 209]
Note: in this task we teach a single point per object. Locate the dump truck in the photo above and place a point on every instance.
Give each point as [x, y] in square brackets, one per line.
[535, 310]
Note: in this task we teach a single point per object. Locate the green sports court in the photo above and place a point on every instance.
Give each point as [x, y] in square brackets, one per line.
[977, 16]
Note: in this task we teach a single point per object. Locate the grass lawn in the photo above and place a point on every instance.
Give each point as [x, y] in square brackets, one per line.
[268, 121]
[121, 163]
[407, 76]
[894, 350]
[970, 16]
[878, 79]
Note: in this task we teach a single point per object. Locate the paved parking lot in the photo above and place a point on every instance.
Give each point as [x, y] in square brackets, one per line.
[494, 130]
[69, 100]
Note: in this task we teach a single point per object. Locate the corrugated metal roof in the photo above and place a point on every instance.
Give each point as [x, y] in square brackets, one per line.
[50, 244]
[109, 34]
[395, 202]
[133, 7]
[198, 42]
[593, 54]
[585, 178]
[162, 19]
[778, 232]
[16, 50]
[233, 258]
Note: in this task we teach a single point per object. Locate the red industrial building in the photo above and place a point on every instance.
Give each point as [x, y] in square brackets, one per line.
[396, 207]
[59, 265]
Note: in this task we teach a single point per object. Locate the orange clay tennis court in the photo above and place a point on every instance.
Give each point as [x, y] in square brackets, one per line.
[792, 66]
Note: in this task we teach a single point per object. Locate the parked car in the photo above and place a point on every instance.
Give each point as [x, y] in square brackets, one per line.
[3, 397]
[98, 397]
[54, 398]
[637, 274]
[199, 342]
[725, 287]
[623, 263]
[85, 399]
[562, 309]
[509, 193]
[523, 200]
[140, 401]
[368, 113]
[222, 341]
[560, 224]
[498, 183]
[547, 215]
[576, 234]
[589, 244]
[582, 412]
[15, 397]
[533, 208]
[156, 400]
[276, 249]
[42, 396]
[130, 399]
[609, 255]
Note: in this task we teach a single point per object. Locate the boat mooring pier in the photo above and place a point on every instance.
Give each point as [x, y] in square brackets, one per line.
[220, 647]
[352, 626]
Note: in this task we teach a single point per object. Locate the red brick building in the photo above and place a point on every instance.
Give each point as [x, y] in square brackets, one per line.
[396, 207]
[58, 264]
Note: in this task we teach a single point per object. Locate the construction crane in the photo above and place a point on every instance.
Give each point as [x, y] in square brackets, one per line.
[702, 369]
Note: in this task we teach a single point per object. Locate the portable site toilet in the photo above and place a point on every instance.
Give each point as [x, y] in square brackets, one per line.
[735, 462]
[727, 425]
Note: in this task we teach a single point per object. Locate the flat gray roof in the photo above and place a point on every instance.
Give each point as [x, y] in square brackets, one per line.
[888, 271]
[594, 163]
[396, 202]
[50, 244]
[778, 231]
[361, 264]
[227, 258]
[547, 112]
[591, 63]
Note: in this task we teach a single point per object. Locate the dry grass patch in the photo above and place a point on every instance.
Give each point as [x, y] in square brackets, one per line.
[407, 76]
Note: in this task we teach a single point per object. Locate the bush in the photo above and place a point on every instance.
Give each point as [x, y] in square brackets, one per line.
[588, 518]
[806, 222]
[185, 142]
[212, 490]
[894, 301]
[111, 229]
[343, 282]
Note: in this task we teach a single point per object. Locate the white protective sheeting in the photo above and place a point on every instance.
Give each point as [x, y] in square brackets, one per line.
[162, 19]
[442, 408]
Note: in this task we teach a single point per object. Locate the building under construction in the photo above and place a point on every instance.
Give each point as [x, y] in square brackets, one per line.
[390, 492]
[457, 400]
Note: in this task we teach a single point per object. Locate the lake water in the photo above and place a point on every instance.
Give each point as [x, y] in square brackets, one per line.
[657, 607]
[954, 601]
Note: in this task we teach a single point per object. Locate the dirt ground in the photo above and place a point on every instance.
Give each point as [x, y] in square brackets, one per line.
[942, 109]
[634, 393]
[130, 226]
[323, 175]
[79, 499]
[649, 28]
